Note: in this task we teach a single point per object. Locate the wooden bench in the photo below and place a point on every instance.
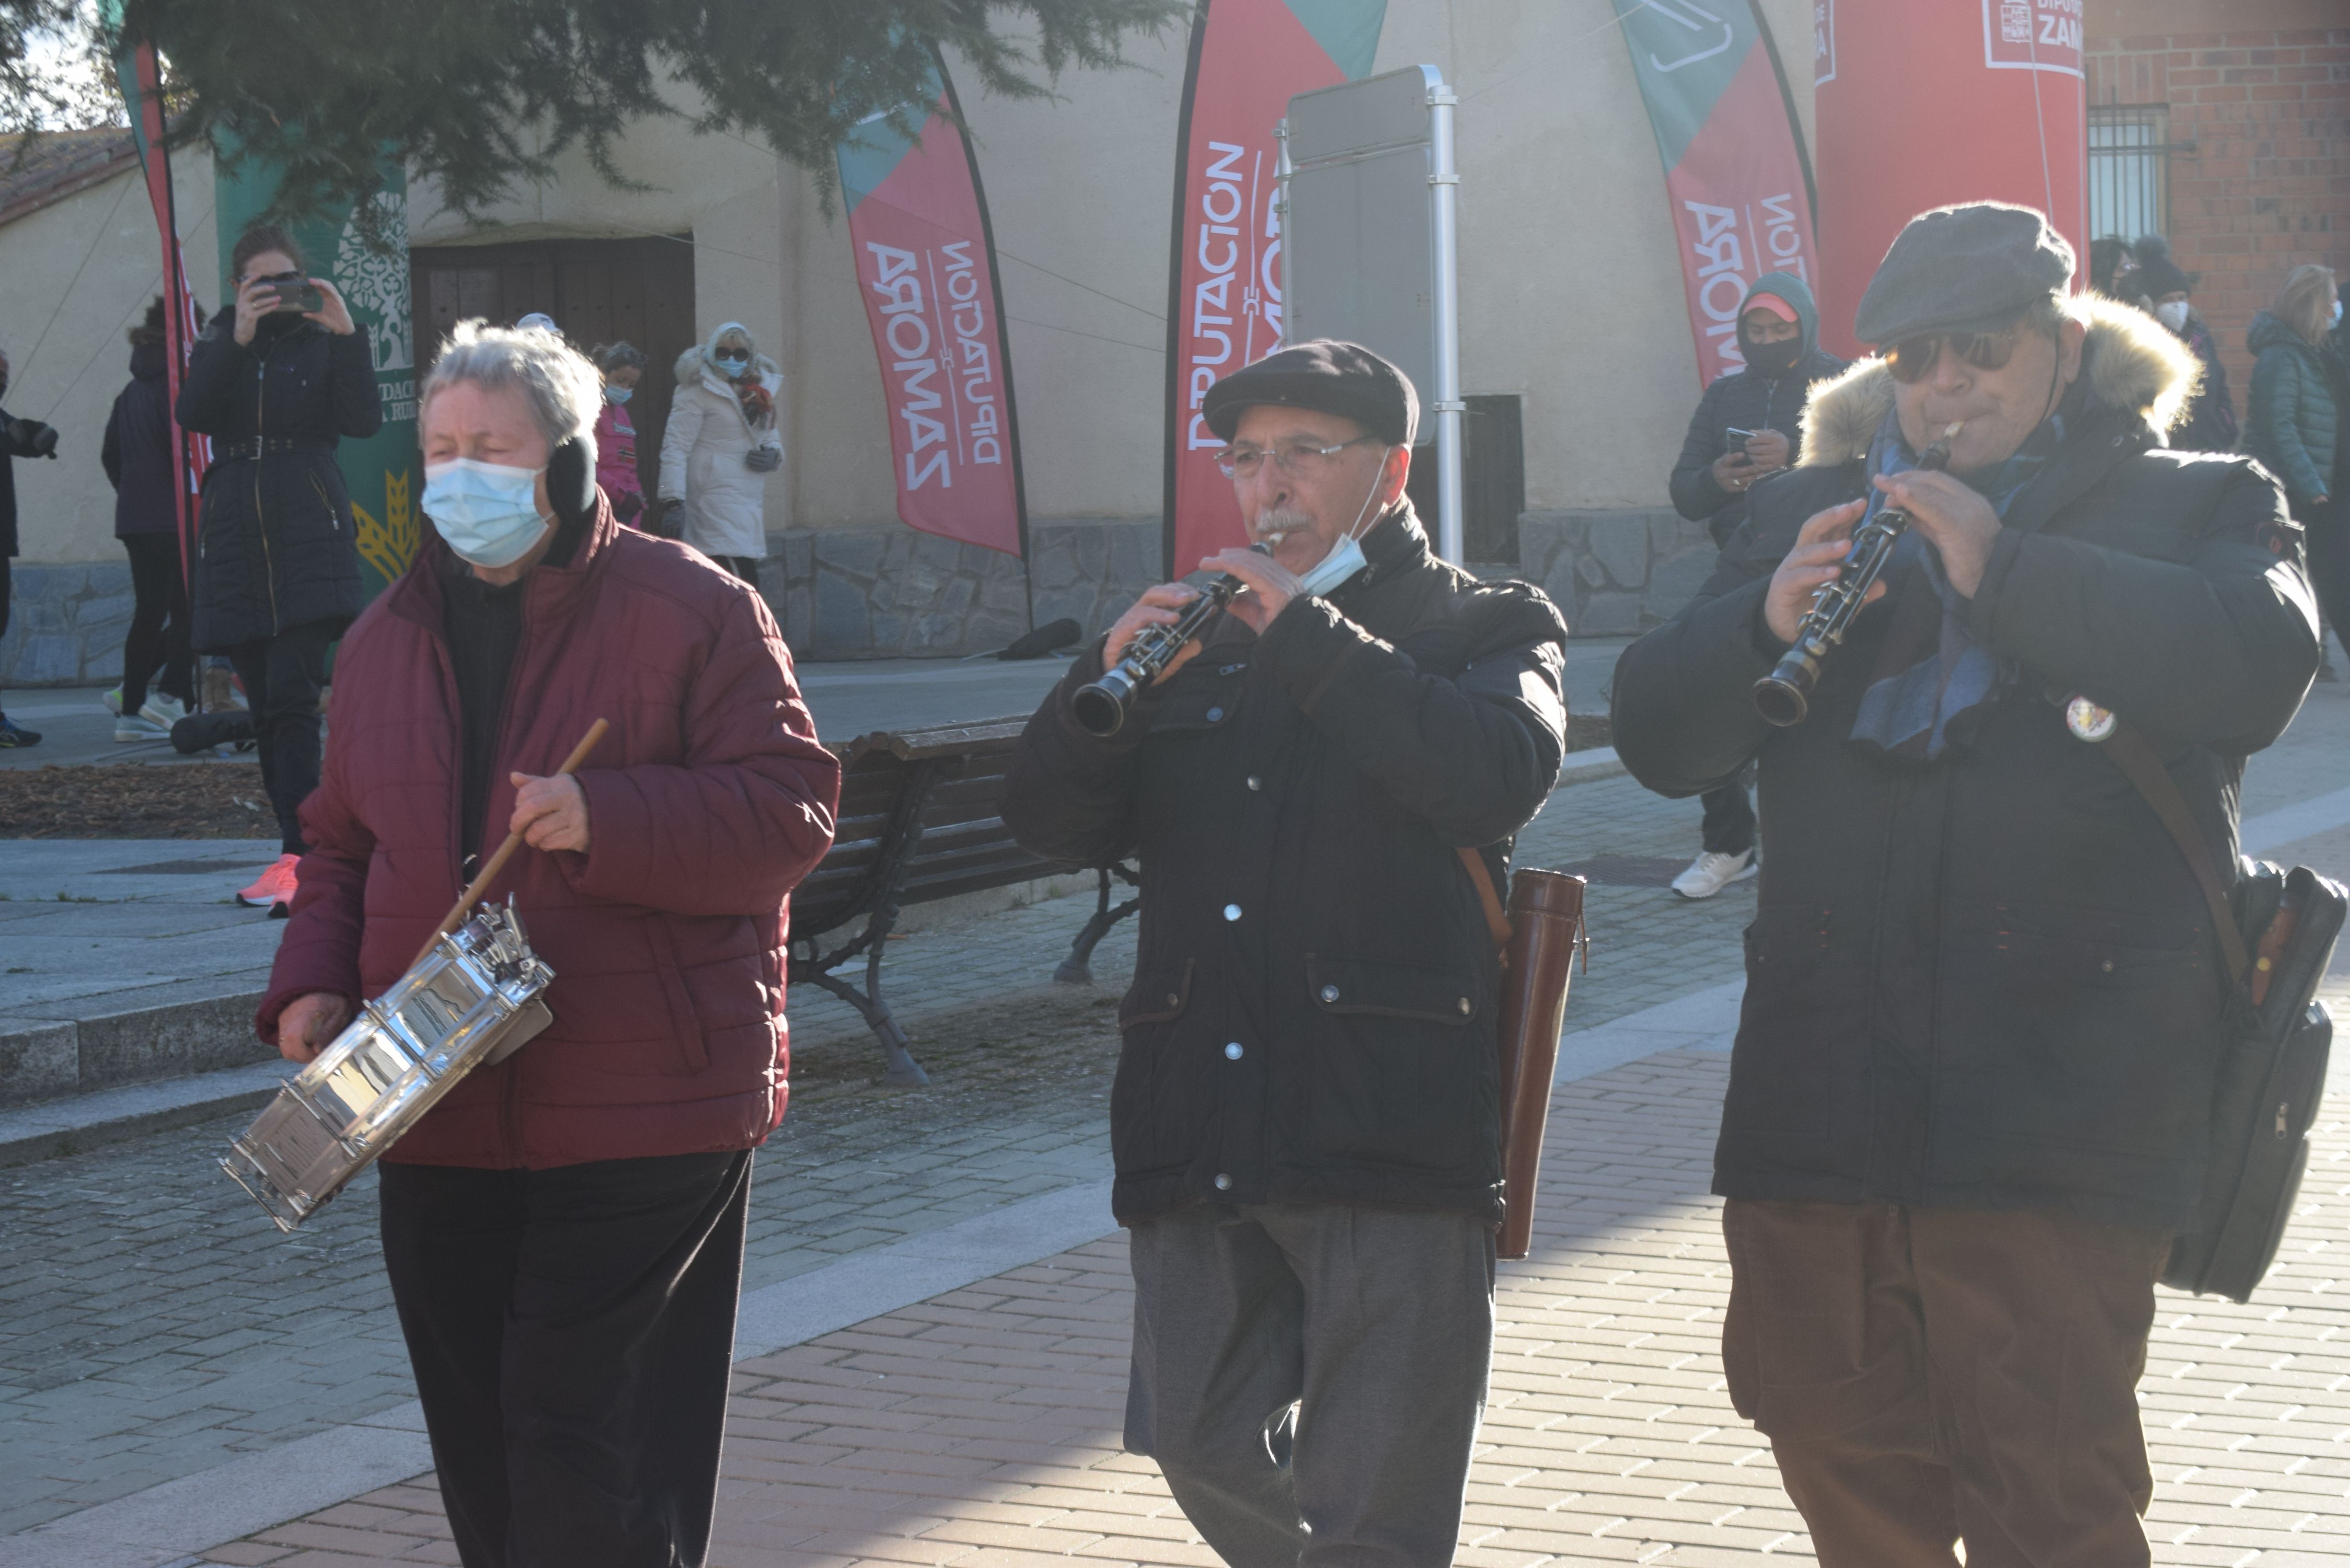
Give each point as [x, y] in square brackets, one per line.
[921, 819]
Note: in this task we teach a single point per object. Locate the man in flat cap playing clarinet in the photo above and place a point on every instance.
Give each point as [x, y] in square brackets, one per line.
[1306, 1118]
[1971, 1096]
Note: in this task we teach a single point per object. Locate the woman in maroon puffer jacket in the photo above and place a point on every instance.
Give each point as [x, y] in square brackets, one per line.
[564, 1232]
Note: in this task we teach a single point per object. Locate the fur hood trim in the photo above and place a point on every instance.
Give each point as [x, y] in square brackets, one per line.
[2134, 365]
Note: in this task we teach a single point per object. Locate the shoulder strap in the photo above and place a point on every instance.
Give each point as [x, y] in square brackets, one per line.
[1497, 920]
[2136, 759]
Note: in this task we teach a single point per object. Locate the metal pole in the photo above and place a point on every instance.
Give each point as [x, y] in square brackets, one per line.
[1283, 169]
[1445, 184]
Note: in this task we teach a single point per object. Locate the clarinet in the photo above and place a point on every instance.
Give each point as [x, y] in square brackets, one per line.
[1100, 706]
[1785, 696]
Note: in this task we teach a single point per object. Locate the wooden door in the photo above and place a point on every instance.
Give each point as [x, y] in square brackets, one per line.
[639, 291]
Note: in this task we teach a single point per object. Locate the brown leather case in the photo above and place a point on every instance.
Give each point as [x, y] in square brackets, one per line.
[1545, 928]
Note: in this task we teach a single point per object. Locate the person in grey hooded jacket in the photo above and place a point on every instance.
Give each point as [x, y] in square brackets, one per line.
[1747, 427]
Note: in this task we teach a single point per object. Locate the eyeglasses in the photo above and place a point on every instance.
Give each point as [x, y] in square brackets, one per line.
[1293, 457]
[1913, 358]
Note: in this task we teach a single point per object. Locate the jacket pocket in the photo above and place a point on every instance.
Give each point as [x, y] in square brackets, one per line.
[1800, 1074]
[1157, 996]
[1149, 1130]
[693, 1052]
[1397, 1076]
[2079, 1029]
[1351, 988]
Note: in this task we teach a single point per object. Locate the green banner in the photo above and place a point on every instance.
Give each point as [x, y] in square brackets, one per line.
[381, 469]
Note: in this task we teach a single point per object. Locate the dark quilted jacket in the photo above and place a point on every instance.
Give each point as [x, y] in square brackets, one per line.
[708, 800]
[277, 546]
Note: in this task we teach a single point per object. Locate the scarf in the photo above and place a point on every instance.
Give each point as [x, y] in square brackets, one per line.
[1932, 680]
[758, 408]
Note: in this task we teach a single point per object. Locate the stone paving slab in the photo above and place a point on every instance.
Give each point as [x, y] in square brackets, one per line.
[980, 1429]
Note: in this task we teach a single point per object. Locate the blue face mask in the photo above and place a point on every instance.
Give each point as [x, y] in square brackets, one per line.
[487, 512]
[619, 394]
[1345, 557]
[733, 364]
[2337, 313]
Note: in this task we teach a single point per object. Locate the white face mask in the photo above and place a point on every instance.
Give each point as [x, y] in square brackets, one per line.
[2172, 314]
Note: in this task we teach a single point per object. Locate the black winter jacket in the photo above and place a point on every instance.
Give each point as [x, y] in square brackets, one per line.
[1739, 400]
[137, 452]
[1991, 982]
[277, 546]
[1311, 1018]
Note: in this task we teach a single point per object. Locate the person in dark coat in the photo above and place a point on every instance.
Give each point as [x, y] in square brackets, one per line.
[2294, 419]
[277, 563]
[137, 457]
[1748, 426]
[18, 438]
[1968, 1100]
[1305, 1117]
[2210, 422]
[564, 1231]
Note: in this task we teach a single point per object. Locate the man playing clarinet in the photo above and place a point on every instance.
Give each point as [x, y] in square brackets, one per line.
[1306, 1121]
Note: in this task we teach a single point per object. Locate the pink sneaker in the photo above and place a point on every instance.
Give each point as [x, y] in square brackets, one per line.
[275, 890]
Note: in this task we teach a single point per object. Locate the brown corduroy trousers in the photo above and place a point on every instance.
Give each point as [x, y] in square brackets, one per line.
[1930, 1376]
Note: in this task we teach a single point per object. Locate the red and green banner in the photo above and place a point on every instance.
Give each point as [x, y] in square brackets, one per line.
[140, 77]
[1249, 58]
[926, 267]
[1733, 155]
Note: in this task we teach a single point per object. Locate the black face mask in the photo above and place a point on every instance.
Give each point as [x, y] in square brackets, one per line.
[1773, 360]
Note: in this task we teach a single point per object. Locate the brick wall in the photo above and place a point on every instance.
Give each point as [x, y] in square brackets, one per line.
[2267, 186]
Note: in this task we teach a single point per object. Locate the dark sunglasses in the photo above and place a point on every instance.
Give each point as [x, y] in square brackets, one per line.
[1913, 358]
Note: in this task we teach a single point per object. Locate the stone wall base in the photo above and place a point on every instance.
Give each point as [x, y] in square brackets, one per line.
[66, 624]
[838, 594]
[1616, 573]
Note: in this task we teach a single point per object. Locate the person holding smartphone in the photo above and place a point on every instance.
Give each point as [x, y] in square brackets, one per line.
[1748, 426]
[277, 382]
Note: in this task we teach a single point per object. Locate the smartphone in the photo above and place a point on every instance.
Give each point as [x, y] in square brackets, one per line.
[1740, 436]
[294, 297]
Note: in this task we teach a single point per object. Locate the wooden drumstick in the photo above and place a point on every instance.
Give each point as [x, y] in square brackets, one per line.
[497, 863]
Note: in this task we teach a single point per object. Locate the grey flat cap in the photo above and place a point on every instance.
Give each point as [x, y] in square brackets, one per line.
[1962, 269]
[1326, 375]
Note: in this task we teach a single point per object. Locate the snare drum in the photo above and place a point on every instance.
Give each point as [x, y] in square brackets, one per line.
[473, 998]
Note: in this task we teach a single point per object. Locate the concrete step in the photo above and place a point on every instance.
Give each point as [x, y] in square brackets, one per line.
[29, 1132]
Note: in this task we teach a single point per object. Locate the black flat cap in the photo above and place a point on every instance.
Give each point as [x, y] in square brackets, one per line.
[1962, 269]
[1327, 376]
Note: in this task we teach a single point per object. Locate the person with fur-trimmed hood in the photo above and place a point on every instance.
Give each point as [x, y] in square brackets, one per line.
[1968, 1100]
[723, 439]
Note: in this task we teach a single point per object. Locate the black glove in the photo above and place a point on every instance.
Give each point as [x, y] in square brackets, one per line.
[627, 508]
[31, 438]
[664, 524]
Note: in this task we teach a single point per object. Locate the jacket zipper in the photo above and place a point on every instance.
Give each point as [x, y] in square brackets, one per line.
[260, 444]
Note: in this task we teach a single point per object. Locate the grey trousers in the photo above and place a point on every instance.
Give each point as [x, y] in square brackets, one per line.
[1310, 1376]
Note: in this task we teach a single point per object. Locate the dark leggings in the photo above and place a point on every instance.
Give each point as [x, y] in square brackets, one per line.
[282, 676]
[158, 637]
[1729, 817]
[2329, 561]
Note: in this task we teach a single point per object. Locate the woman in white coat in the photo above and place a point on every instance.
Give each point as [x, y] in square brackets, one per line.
[722, 442]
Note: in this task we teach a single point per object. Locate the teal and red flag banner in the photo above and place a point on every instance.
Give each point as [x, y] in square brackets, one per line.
[1735, 167]
[926, 269]
[139, 75]
[1249, 58]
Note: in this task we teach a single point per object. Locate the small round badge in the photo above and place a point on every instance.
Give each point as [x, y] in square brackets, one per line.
[2088, 721]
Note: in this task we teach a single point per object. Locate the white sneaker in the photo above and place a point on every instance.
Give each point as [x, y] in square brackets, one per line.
[161, 709]
[114, 702]
[1712, 871]
[133, 729]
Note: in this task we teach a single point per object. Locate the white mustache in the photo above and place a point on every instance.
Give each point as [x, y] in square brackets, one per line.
[1277, 524]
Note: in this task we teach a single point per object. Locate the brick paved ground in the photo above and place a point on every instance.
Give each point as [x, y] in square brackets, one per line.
[137, 1322]
[979, 1429]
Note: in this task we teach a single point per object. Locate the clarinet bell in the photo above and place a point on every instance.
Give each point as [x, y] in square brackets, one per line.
[1100, 707]
[1785, 696]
